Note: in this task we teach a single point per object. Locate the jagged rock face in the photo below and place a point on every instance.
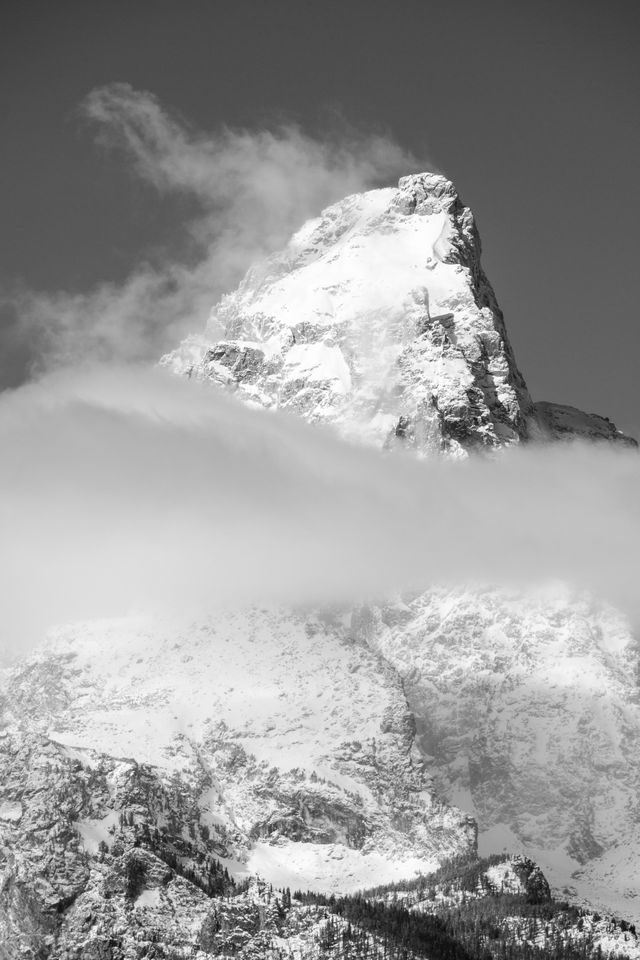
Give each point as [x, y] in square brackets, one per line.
[528, 712]
[558, 422]
[377, 318]
[275, 743]
[519, 876]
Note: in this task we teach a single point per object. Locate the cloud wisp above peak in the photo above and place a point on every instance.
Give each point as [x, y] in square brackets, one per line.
[284, 172]
[251, 189]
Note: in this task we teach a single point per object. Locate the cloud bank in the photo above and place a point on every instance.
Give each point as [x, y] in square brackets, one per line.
[127, 489]
[248, 190]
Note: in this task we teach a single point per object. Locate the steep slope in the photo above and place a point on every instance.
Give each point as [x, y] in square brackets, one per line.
[528, 712]
[378, 318]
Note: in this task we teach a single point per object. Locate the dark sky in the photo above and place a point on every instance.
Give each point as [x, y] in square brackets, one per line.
[530, 107]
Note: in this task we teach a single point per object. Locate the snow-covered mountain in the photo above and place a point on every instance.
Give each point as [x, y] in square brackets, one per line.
[527, 708]
[331, 750]
[378, 318]
[277, 743]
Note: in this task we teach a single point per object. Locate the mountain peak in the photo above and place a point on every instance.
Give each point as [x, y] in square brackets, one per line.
[427, 188]
[378, 318]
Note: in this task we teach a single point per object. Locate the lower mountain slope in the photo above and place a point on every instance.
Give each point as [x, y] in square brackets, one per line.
[150, 768]
[261, 742]
[528, 712]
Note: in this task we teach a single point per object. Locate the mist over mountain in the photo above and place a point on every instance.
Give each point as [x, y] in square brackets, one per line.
[332, 602]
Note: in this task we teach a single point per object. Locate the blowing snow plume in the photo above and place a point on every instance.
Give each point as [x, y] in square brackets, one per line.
[126, 488]
[251, 190]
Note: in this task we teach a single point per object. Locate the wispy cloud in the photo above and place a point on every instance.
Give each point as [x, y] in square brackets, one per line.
[251, 189]
[127, 488]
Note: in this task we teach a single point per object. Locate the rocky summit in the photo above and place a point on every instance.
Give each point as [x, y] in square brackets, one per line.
[223, 785]
[379, 319]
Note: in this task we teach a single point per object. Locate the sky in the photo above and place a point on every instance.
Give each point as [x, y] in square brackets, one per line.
[530, 107]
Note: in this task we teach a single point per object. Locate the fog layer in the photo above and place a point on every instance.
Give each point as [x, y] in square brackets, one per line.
[128, 489]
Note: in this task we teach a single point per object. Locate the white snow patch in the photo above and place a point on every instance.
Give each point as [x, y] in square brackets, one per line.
[329, 868]
[148, 898]
[10, 811]
[95, 832]
[318, 362]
